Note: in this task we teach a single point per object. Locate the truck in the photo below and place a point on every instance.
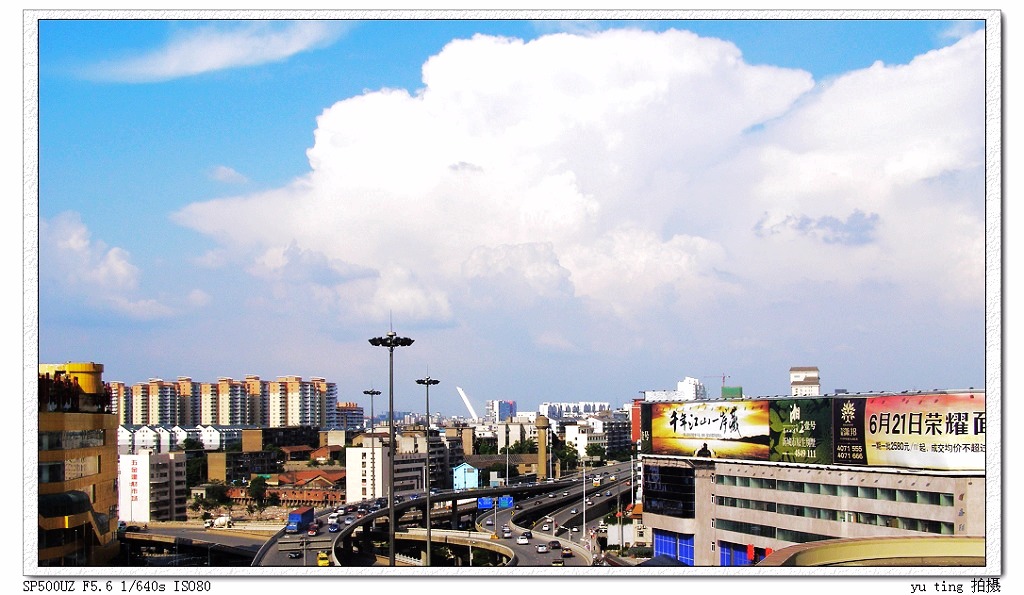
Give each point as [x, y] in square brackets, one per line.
[299, 519]
[221, 522]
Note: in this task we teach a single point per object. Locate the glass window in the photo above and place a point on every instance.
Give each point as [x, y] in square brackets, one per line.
[864, 492]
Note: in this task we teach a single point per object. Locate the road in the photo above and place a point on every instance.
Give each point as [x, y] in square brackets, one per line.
[276, 553]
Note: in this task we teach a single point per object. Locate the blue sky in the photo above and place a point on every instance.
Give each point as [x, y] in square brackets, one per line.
[553, 210]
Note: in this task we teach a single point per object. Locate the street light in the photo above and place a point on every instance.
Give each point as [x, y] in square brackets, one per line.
[584, 499]
[428, 381]
[373, 447]
[391, 340]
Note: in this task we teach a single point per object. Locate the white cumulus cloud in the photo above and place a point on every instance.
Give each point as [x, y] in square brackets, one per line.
[629, 173]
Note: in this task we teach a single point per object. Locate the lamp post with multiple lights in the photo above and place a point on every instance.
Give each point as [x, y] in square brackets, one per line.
[391, 340]
[373, 444]
[428, 381]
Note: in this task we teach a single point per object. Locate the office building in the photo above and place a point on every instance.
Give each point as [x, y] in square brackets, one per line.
[152, 487]
[77, 443]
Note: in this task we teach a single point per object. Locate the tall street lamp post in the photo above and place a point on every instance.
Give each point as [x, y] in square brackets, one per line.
[391, 340]
[373, 444]
[428, 381]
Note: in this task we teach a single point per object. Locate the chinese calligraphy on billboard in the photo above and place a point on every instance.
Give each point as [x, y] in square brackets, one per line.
[723, 429]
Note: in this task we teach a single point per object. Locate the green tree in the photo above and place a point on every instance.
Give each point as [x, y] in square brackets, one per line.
[485, 447]
[217, 493]
[195, 471]
[596, 450]
[190, 444]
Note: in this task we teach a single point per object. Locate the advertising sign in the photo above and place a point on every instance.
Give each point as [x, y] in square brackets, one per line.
[800, 431]
[924, 431]
[731, 430]
[485, 503]
[848, 431]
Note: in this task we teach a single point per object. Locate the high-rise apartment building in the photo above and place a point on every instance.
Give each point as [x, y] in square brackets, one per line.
[77, 442]
[154, 402]
[349, 416]
[189, 409]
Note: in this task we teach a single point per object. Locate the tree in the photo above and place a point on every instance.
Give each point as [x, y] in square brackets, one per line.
[195, 471]
[217, 493]
[258, 492]
[485, 447]
[190, 444]
[596, 450]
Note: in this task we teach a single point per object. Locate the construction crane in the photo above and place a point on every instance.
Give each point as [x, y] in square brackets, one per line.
[723, 377]
[465, 399]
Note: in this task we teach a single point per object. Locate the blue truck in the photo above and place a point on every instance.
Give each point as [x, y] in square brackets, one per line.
[299, 519]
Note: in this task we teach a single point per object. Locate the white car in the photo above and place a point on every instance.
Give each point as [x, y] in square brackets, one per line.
[542, 548]
[522, 540]
[545, 527]
[575, 529]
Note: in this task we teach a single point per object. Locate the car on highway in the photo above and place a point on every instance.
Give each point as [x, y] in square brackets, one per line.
[552, 495]
[558, 562]
[590, 502]
[608, 493]
[349, 520]
[522, 540]
[506, 535]
[574, 511]
[333, 527]
[323, 559]
[542, 548]
[567, 552]
[575, 529]
[294, 554]
[489, 522]
[555, 544]
[528, 534]
[565, 493]
[545, 527]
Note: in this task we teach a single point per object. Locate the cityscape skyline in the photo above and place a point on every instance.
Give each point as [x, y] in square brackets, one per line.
[545, 239]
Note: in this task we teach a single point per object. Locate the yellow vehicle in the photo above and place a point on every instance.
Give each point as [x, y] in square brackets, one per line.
[323, 559]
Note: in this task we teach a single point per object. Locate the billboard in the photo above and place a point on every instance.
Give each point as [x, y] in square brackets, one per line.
[800, 431]
[918, 431]
[944, 431]
[731, 430]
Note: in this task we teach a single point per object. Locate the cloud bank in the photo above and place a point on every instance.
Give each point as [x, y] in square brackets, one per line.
[627, 170]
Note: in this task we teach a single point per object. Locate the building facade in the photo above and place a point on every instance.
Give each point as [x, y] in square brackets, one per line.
[77, 442]
[151, 487]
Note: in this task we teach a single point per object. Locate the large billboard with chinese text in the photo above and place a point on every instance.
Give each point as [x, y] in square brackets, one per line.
[719, 429]
[917, 431]
[800, 431]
